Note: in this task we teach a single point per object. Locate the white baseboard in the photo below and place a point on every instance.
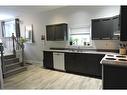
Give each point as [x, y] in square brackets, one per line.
[33, 62]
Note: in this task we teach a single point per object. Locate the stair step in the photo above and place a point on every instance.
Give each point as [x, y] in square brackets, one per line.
[12, 66]
[11, 61]
[14, 71]
[9, 56]
[8, 65]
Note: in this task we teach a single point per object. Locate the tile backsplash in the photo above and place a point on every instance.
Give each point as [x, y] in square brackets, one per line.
[96, 44]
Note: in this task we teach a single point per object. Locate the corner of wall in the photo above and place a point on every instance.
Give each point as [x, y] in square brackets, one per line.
[34, 62]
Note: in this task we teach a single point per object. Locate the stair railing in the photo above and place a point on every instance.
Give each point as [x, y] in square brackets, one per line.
[2, 57]
[2, 68]
[7, 44]
[16, 46]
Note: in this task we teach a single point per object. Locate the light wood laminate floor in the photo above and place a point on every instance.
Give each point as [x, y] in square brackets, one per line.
[38, 78]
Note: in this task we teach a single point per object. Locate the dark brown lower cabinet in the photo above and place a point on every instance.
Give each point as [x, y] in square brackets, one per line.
[87, 64]
[48, 59]
[114, 77]
[84, 63]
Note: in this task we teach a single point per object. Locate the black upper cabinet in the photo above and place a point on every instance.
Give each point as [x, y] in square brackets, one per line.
[105, 28]
[102, 29]
[123, 23]
[56, 32]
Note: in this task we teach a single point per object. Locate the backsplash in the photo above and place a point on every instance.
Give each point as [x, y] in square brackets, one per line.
[106, 44]
[96, 44]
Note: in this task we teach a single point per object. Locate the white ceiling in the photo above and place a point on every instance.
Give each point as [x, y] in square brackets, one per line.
[28, 9]
[7, 12]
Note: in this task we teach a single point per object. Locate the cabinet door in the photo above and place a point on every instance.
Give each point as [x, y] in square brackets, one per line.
[96, 28]
[48, 59]
[102, 29]
[81, 63]
[56, 32]
[71, 62]
[84, 63]
[59, 33]
[94, 66]
[114, 77]
[107, 29]
[123, 23]
[50, 32]
[116, 27]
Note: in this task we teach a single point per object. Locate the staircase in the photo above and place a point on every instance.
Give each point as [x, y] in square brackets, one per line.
[12, 62]
[12, 65]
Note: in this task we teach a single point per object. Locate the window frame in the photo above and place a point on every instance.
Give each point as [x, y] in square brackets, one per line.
[3, 31]
[76, 27]
[17, 27]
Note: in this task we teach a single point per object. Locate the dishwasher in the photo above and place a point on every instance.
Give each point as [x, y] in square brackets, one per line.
[58, 61]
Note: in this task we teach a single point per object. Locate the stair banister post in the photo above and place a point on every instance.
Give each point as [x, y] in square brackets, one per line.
[2, 57]
[22, 54]
[13, 39]
[2, 65]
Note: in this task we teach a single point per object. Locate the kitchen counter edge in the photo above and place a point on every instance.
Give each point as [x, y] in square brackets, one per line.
[91, 52]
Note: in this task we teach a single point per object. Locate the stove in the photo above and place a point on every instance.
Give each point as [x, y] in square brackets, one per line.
[114, 59]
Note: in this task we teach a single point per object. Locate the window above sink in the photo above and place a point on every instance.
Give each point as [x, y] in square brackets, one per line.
[80, 36]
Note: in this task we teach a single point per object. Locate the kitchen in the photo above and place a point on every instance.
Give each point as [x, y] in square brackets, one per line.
[87, 61]
[72, 50]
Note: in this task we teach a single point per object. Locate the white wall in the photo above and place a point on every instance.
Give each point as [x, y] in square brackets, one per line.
[80, 16]
[33, 51]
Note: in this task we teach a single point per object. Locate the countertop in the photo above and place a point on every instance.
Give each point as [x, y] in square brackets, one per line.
[82, 51]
